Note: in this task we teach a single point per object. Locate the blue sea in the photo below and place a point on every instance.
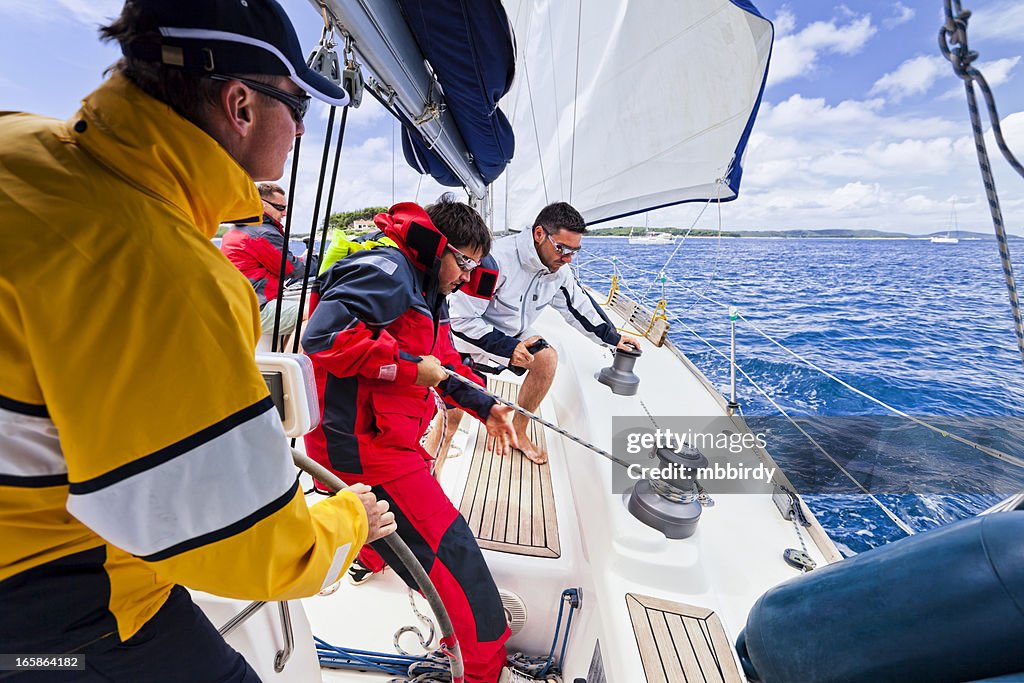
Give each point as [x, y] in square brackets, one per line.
[925, 328]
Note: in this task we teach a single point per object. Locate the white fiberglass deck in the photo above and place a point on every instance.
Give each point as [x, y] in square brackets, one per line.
[734, 556]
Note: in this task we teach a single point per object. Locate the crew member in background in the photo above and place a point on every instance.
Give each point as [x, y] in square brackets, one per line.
[256, 251]
[496, 333]
[139, 449]
[378, 338]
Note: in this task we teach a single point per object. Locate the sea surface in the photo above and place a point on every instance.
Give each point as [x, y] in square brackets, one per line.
[924, 328]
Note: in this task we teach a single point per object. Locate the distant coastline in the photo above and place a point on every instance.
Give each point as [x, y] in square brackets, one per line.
[964, 236]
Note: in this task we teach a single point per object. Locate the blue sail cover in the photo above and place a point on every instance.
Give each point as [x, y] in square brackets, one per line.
[470, 47]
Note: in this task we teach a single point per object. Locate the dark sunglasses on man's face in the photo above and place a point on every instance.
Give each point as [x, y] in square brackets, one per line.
[297, 104]
[280, 207]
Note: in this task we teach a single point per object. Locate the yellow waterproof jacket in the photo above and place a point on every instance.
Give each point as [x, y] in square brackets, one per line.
[342, 246]
[138, 443]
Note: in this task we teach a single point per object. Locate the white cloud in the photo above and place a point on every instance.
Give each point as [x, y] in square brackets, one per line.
[797, 53]
[857, 164]
[1001, 20]
[812, 118]
[913, 77]
[996, 73]
[901, 15]
[92, 11]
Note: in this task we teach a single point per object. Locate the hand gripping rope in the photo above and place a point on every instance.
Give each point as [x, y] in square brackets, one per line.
[449, 643]
[537, 418]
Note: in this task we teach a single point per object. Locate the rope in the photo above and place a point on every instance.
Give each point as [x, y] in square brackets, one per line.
[536, 418]
[955, 31]
[427, 622]
[408, 560]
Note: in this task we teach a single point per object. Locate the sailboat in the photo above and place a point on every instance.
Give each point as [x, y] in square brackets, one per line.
[950, 236]
[653, 238]
[602, 578]
[649, 237]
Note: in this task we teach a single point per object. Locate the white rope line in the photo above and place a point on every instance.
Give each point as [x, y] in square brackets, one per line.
[1006, 457]
[888, 513]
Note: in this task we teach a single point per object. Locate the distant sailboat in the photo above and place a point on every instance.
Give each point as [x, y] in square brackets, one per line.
[950, 236]
[651, 237]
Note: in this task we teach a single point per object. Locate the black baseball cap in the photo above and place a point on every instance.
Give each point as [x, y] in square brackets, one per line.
[230, 37]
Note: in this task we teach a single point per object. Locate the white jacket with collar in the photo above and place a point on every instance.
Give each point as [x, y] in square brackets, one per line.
[489, 330]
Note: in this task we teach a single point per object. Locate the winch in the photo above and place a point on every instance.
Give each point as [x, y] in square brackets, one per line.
[669, 504]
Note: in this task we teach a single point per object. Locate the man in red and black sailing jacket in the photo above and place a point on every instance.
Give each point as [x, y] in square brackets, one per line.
[378, 338]
[256, 251]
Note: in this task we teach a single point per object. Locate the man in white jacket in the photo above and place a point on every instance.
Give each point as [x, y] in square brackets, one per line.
[496, 333]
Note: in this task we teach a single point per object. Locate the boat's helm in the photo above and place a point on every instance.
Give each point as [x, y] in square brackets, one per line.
[670, 505]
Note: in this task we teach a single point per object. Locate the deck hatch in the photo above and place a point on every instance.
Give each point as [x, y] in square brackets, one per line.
[508, 501]
[680, 642]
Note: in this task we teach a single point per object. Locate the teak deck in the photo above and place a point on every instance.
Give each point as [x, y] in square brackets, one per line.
[680, 642]
[508, 501]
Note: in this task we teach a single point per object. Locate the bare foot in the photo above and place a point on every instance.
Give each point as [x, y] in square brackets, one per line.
[531, 451]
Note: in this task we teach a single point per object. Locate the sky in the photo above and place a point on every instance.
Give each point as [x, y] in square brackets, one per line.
[863, 123]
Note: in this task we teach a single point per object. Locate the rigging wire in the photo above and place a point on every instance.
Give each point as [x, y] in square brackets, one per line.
[664, 268]
[316, 212]
[987, 450]
[284, 252]
[1006, 457]
[954, 30]
[536, 132]
[882, 506]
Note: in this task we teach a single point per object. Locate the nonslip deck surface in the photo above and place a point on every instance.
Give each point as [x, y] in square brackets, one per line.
[680, 642]
[508, 500]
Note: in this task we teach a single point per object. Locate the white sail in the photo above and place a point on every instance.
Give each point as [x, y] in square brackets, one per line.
[621, 106]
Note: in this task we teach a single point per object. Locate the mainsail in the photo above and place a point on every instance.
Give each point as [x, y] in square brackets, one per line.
[616, 106]
[620, 107]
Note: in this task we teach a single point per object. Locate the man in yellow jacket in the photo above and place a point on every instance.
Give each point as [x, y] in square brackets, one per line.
[139, 448]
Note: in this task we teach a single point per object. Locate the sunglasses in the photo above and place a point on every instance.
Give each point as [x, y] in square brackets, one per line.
[280, 207]
[297, 104]
[464, 263]
[560, 248]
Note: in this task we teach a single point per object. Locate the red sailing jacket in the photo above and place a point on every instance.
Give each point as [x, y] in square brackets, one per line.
[378, 311]
[256, 251]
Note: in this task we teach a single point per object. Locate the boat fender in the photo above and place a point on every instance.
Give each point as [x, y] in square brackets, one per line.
[943, 605]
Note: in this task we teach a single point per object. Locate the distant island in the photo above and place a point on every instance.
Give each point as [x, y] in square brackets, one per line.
[834, 233]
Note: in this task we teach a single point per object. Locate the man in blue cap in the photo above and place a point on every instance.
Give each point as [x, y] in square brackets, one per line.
[139, 448]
